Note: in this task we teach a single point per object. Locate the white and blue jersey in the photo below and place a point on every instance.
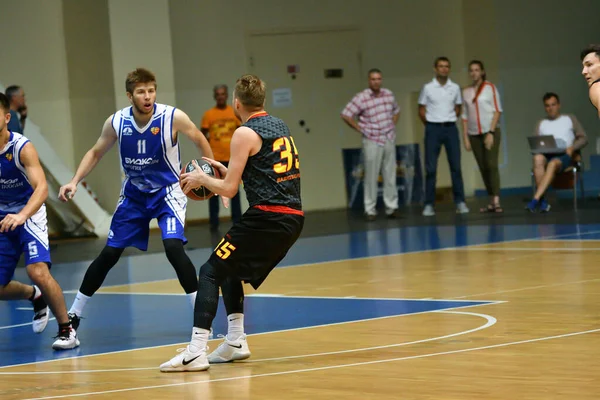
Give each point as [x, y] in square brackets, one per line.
[15, 190]
[150, 160]
[149, 156]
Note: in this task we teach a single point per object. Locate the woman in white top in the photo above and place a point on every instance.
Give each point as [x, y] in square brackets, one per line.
[481, 112]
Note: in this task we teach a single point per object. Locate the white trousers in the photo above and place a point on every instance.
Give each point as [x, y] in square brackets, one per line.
[380, 159]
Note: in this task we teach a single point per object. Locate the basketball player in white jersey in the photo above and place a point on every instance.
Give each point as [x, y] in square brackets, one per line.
[23, 230]
[147, 135]
[590, 58]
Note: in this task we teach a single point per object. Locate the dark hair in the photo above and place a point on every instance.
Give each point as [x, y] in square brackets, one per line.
[220, 86]
[139, 75]
[483, 77]
[4, 103]
[550, 95]
[437, 60]
[592, 48]
[373, 71]
[12, 91]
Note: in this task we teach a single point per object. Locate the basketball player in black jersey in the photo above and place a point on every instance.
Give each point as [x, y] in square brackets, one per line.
[264, 156]
[590, 58]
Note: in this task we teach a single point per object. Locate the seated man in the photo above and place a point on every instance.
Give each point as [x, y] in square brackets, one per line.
[569, 134]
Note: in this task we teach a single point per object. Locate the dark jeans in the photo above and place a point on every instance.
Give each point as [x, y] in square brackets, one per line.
[436, 135]
[234, 205]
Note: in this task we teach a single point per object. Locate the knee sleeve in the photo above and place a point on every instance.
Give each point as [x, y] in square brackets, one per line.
[97, 271]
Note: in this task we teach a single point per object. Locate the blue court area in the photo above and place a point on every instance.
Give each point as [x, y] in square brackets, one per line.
[122, 321]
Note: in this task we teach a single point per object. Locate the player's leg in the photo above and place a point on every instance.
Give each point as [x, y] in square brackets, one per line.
[194, 357]
[35, 246]
[129, 227]
[10, 252]
[235, 346]
[169, 209]
[39, 273]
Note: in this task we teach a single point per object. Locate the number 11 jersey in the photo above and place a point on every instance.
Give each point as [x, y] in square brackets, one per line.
[150, 157]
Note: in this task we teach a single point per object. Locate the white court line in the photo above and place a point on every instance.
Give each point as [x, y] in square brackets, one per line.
[490, 322]
[528, 288]
[541, 249]
[19, 325]
[298, 371]
[377, 256]
[24, 308]
[253, 334]
[314, 297]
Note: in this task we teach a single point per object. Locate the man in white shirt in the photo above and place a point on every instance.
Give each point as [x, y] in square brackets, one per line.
[569, 135]
[439, 107]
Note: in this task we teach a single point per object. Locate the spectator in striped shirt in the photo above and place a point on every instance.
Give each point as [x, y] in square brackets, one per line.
[481, 113]
[374, 114]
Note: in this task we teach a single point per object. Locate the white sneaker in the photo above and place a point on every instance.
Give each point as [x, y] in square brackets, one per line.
[230, 350]
[66, 339]
[461, 208]
[186, 361]
[428, 211]
[40, 320]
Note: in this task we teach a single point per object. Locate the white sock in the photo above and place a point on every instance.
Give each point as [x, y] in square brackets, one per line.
[199, 339]
[36, 292]
[235, 326]
[79, 303]
[192, 298]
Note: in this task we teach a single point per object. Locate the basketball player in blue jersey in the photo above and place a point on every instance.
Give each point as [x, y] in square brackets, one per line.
[264, 156]
[590, 58]
[23, 230]
[146, 133]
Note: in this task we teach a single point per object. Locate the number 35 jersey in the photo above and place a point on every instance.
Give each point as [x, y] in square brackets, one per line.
[150, 158]
[272, 176]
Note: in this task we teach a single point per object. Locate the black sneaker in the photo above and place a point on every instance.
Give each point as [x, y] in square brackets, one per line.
[74, 320]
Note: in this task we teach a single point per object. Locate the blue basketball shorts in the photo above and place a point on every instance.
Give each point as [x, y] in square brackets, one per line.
[30, 239]
[130, 226]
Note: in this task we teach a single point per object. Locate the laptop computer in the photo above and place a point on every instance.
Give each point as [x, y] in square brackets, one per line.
[544, 144]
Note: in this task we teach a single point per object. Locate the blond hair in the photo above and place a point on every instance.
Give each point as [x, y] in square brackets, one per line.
[139, 75]
[251, 92]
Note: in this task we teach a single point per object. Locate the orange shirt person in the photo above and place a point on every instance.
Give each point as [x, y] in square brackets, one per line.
[218, 124]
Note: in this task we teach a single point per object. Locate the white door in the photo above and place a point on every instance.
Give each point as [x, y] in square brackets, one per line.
[313, 114]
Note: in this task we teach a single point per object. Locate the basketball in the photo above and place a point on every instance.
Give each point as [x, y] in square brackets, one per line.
[200, 193]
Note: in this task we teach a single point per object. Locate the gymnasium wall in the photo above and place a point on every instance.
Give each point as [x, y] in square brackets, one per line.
[72, 56]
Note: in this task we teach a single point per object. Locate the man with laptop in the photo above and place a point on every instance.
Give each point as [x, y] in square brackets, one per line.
[556, 139]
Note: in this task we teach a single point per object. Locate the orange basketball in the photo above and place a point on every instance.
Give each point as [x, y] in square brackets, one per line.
[200, 193]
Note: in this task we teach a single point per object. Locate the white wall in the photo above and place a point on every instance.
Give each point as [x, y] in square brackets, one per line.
[33, 56]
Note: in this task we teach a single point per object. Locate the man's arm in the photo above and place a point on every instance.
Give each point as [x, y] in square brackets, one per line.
[580, 137]
[458, 102]
[37, 180]
[422, 111]
[350, 112]
[182, 123]
[244, 143]
[595, 96]
[107, 139]
[351, 123]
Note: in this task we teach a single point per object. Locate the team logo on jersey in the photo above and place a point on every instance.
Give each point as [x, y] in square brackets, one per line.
[127, 131]
[9, 156]
[155, 130]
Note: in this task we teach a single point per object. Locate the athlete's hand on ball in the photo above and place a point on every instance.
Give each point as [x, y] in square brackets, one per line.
[194, 179]
[67, 191]
[221, 169]
[11, 221]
